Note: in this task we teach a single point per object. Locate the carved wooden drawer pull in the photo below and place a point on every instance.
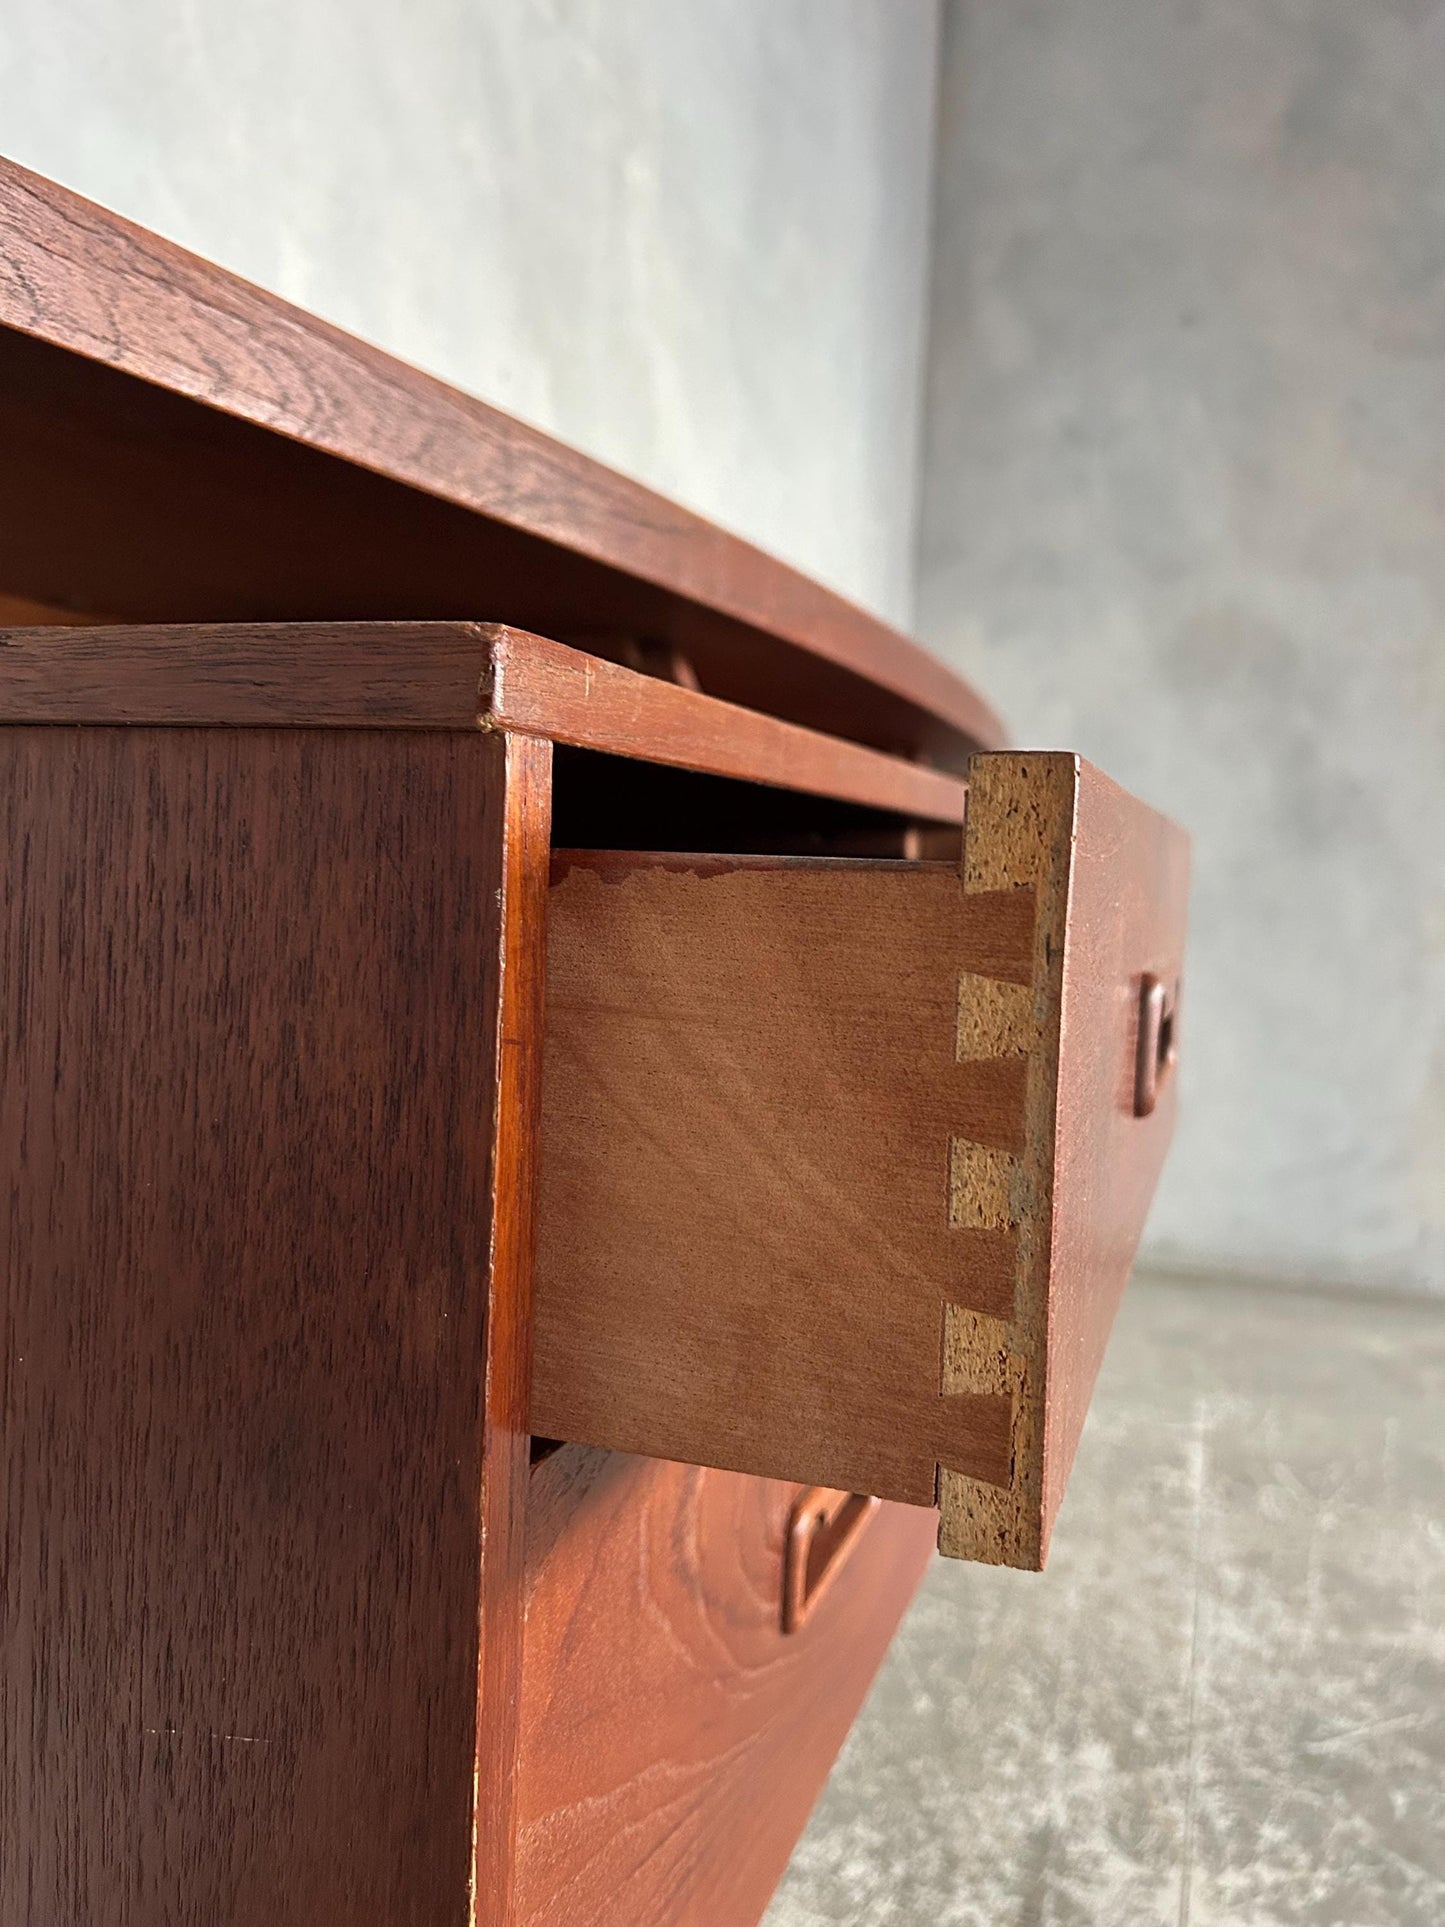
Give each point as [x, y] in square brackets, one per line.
[824, 1527]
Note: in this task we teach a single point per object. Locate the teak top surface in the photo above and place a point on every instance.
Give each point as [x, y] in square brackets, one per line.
[83, 280]
[436, 675]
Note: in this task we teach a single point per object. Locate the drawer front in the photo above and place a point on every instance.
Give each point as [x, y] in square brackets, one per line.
[844, 1164]
[674, 1736]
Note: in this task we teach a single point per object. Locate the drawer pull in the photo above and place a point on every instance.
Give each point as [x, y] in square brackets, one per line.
[1157, 1046]
[823, 1528]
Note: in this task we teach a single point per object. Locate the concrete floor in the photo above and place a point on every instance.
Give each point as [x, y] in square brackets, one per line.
[1224, 1704]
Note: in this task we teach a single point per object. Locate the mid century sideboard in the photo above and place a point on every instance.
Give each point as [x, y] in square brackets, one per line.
[570, 1111]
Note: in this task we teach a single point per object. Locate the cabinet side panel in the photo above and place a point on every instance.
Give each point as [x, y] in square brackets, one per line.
[248, 992]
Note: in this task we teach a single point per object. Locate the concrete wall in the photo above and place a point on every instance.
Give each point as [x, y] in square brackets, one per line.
[1184, 509]
[690, 238]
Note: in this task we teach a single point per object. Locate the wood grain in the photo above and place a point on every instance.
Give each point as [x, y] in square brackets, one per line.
[674, 1737]
[232, 457]
[745, 1249]
[250, 675]
[544, 689]
[249, 986]
[841, 1173]
[506, 1450]
[436, 675]
[1127, 917]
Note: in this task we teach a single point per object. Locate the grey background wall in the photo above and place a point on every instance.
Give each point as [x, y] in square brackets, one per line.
[690, 238]
[1184, 509]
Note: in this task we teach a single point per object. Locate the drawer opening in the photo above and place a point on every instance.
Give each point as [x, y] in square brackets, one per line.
[602, 802]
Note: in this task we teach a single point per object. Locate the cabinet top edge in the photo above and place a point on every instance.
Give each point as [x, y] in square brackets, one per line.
[108, 292]
[436, 675]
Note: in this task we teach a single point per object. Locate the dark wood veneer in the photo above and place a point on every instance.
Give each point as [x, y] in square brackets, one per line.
[249, 1030]
[232, 458]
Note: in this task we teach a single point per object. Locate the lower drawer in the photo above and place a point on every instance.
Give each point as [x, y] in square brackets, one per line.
[674, 1736]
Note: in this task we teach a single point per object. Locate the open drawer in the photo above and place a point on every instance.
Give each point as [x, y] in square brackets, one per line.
[844, 1163]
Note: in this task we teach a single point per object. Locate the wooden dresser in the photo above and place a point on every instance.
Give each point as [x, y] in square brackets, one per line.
[569, 1112]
